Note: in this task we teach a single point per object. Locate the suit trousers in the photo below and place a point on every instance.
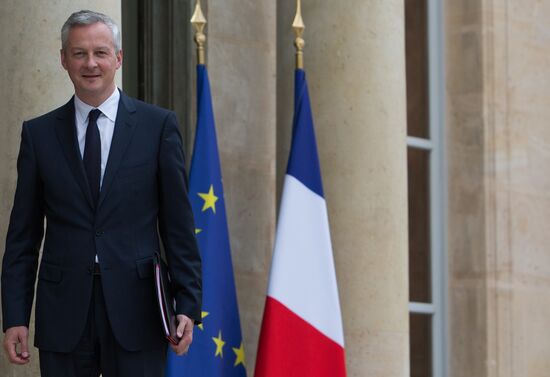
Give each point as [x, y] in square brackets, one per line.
[98, 352]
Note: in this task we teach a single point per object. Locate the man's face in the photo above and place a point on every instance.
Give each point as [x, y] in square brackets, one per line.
[90, 59]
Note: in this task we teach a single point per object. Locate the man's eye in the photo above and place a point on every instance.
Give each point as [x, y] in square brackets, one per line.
[78, 54]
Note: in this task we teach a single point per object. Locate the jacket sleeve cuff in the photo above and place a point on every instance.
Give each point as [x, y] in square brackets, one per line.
[189, 307]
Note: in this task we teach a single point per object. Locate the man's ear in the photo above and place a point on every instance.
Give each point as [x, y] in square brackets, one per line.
[119, 57]
[62, 56]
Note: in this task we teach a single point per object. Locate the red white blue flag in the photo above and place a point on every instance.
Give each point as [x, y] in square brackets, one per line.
[301, 331]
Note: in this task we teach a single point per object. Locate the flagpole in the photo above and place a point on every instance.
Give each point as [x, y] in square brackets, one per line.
[299, 43]
[199, 21]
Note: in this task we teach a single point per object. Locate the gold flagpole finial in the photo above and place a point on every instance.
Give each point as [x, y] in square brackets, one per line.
[199, 21]
[299, 43]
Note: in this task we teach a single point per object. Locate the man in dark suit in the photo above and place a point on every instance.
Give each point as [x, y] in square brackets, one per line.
[107, 173]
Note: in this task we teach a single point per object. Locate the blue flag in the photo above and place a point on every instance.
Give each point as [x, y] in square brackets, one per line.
[217, 349]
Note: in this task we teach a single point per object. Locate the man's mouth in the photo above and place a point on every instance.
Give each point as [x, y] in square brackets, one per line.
[91, 76]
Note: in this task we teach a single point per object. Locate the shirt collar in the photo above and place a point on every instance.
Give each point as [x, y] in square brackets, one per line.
[108, 108]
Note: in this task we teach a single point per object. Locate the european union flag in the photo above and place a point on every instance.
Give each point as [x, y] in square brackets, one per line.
[217, 348]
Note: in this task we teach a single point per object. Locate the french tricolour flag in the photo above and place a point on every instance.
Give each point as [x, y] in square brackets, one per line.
[301, 331]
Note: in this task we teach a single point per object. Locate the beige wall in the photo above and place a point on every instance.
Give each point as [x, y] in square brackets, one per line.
[242, 68]
[362, 149]
[355, 64]
[499, 142]
[32, 83]
[468, 259]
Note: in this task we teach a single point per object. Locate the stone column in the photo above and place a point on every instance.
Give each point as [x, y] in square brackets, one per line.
[242, 67]
[355, 62]
[33, 82]
[499, 143]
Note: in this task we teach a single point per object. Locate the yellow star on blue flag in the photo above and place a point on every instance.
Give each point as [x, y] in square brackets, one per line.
[217, 349]
[209, 199]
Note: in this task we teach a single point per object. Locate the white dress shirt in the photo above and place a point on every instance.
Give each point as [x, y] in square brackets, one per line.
[105, 123]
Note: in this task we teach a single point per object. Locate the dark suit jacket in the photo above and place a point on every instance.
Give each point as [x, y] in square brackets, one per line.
[143, 201]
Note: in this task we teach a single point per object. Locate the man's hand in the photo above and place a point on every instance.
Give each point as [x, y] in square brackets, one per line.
[13, 337]
[185, 333]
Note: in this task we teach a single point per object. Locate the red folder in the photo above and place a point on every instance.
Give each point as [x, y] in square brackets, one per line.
[166, 303]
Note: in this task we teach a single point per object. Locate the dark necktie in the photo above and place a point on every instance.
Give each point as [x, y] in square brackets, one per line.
[92, 154]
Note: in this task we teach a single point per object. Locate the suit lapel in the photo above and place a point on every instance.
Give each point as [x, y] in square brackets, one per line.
[125, 125]
[66, 133]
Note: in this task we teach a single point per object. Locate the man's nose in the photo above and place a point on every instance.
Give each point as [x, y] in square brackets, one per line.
[90, 61]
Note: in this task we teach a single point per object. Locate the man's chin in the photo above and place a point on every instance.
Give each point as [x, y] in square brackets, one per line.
[91, 87]
[89, 92]
[90, 81]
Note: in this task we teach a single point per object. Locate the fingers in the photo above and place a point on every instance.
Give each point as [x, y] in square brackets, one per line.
[25, 347]
[183, 346]
[13, 337]
[185, 333]
[181, 327]
[184, 324]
